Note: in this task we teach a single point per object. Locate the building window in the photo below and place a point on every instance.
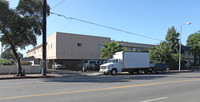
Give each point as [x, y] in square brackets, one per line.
[132, 49]
[51, 45]
[79, 44]
[100, 46]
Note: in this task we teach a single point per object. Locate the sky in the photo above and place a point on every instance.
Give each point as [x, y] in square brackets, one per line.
[150, 18]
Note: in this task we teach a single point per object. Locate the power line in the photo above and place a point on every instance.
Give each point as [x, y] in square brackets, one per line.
[105, 26]
[66, 24]
[58, 4]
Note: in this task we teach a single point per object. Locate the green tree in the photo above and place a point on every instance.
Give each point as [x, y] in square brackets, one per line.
[8, 54]
[193, 41]
[110, 48]
[167, 51]
[21, 26]
[158, 54]
[172, 40]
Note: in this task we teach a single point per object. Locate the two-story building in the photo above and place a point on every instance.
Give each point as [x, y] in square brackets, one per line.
[189, 57]
[71, 49]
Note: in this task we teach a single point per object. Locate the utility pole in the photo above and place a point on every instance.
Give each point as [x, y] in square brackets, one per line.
[1, 50]
[44, 39]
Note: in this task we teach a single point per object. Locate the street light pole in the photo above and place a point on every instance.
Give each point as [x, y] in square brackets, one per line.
[188, 23]
[180, 49]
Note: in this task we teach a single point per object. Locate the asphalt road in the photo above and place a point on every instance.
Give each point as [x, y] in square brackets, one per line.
[176, 87]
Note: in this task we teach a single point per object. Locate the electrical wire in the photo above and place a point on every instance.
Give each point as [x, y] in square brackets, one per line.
[57, 4]
[66, 25]
[105, 26]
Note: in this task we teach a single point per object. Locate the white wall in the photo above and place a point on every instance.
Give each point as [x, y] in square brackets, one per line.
[28, 69]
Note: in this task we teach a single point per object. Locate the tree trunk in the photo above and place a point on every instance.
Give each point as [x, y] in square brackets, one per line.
[19, 68]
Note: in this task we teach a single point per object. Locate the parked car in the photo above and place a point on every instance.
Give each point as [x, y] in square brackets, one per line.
[93, 64]
[155, 67]
[58, 66]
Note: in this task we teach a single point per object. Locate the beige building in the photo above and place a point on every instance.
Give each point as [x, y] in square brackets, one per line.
[189, 58]
[71, 49]
[137, 47]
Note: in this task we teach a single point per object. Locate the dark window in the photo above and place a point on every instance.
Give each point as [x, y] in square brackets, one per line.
[79, 44]
[92, 62]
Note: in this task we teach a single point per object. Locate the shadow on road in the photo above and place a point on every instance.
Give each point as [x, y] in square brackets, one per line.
[77, 77]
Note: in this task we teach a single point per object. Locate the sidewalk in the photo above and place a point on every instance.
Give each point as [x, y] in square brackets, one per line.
[28, 76]
[181, 71]
[52, 74]
[60, 73]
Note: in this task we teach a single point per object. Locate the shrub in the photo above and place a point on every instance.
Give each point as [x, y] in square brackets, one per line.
[26, 63]
[5, 62]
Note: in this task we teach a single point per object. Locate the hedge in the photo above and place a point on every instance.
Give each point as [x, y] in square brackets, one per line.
[5, 62]
[26, 63]
[8, 62]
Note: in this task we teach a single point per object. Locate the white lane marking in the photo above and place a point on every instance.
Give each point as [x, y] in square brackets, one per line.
[155, 99]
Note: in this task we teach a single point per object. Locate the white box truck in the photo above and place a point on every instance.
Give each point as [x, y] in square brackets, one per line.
[126, 62]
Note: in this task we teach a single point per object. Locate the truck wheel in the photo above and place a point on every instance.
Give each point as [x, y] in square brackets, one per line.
[153, 71]
[145, 72]
[105, 73]
[164, 71]
[114, 71]
[131, 73]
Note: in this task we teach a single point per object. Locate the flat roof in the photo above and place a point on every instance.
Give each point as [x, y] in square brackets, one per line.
[82, 35]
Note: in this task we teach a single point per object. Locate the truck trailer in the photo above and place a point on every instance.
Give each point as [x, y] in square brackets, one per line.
[127, 62]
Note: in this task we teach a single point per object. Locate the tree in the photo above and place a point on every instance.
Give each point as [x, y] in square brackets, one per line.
[193, 41]
[8, 54]
[172, 40]
[21, 26]
[110, 48]
[167, 51]
[158, 54]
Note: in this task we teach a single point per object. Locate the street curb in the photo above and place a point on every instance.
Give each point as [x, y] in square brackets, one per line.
[26, 77]
[181, 71]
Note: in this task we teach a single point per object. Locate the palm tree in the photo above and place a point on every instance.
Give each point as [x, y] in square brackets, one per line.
[110, 48]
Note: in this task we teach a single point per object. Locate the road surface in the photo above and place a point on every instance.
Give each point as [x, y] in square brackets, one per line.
[74, 87]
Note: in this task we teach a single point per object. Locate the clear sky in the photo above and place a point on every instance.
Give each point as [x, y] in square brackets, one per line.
[145, 17]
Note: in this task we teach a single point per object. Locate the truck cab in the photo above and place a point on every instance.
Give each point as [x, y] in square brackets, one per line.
[112, 66]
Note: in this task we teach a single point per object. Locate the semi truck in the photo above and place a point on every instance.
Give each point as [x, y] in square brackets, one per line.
[127, 62]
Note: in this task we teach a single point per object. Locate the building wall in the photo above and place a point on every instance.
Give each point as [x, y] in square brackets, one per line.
[65, 46]
[188, 54]
[51, 49]
[136, 47]
[51, 46]
[73, 46]
[36, 52]
[189, 58]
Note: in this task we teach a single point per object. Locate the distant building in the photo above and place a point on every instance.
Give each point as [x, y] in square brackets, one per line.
[70, 49]
[188, 57]
[136, 47]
